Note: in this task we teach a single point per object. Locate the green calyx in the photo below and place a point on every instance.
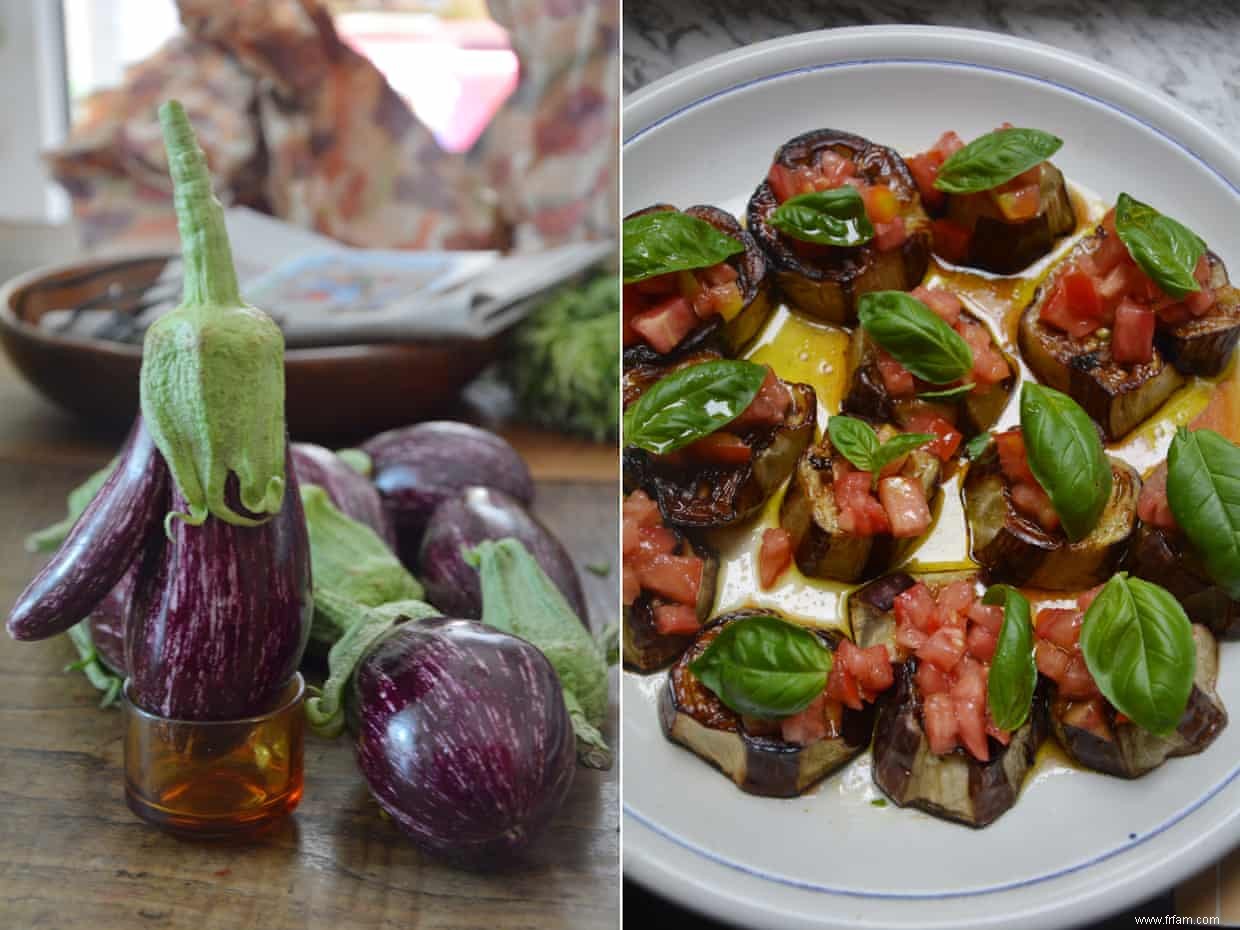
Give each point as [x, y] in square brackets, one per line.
[212, 384]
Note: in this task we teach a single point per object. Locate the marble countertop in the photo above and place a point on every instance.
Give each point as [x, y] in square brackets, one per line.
[1189, 51]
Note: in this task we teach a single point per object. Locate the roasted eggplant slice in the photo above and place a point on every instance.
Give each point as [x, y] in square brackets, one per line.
[760, 763]
[645, 648]
[721, 495]
[1003, 246]
[1017, 550]
[825, 281]
[810, 514]
[1126, 750]
[1203, 345]
[1165, 558]
[726, 335]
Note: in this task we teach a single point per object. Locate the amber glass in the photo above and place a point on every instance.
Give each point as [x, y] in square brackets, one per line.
[216, 778]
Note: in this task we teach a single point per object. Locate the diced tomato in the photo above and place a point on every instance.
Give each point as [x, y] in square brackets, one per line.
[1133, 339]
[948, 437]
[722, 273]
[986, 616]
[1019, 203]
[643, 510]
[666, 324]
[989, 365]
[1199, 302]
[783, 181]
[1081, 289]
[1055, 312]
[655, 540]
[768, 408]
[718, 300]
[1052, 661]
[980, 643]
[945, 304]
[881, 205]
[947, 145]
[1152, 506]
[834, 168]
[872, 668]
[897, 379]
[925, 170]
[722, 447]
[931, 681]
[842, 687]
[809, 726]
[1013, 461]
[905, 503]
[661, 285]
[969, 703]
[775, 555]
[674, 577]
[676, 619]
[890, 235]
[944, 649]
[915, 607]
[1002, 736]
[1087, 598]
[631, 584]
[1029, 498]
[939, 718]
[1060, 626]
[1077, 682]
[629, 537]
[860, 512]
[909, 638]
[1110, 254]
[951, 240]
[953, 603]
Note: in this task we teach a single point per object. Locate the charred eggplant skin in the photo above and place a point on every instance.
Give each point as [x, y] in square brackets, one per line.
[717, 496]
[764, 765]
[1018, 551]
[645, 648]
[828, 288]
[726, 336]
[1204, 345]
[1165, 558]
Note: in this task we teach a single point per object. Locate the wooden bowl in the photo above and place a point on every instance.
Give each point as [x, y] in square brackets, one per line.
[335, 393]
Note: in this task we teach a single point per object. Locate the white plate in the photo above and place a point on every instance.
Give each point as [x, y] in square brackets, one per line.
[1077, 845]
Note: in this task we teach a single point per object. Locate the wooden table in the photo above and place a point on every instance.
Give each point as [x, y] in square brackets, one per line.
[72, 855]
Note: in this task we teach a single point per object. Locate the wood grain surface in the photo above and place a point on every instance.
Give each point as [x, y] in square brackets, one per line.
[72, 855]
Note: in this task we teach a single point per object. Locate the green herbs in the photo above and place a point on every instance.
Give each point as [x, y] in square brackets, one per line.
[1166, 250]
[994, 159]
[1138, 645]
[1203, 488]
[1013, 672]
[856, 441]
[563, 361]
[764, 667]
[831, 217]
[667, 241]
[691, 403]
[951, 393]
[1066, 456]
[915, 336]
[212, 382]
[980, 447]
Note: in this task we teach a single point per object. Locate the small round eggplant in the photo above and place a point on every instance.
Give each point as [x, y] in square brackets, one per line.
[351, 492]
[464, 738]
[869, 399]
[1004, 246]
[1127, 751]
[731, 335]
[645, 648]
[1017, 550]
[701, 497]
[1166, 558]
[417, 467]
[809, 513]
[466, 519]
[762, 764]
[827, 285]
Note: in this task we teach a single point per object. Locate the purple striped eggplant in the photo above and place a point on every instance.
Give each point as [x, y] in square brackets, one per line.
[220, 614]
[418, 467]
[350, 491]
[107, 622]
[464, 738]
[103, 543]
[466, 519]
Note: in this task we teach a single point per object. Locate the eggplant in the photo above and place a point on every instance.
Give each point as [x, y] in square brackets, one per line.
[869, 399]
[810, 515]
[700, 497]
[758, 762]
[220, 614]
[1127, 751]
[350, 491]
[464, 738]
[466, 519]
[418, 467]
[103, 543]
[1017, 550]
[1003, 246]
[827, 286]
[1166, 558]
[1203, 345]
[726, 336]
[645, 648]
[107, 623]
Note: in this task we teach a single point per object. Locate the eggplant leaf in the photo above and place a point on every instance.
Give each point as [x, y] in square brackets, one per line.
[1203, 488]
[691, 403]
[915, 336]
[1166, 250]
[1013, 672]
[994, 159]
[1138, 645]
[667, 241]
[830, 217]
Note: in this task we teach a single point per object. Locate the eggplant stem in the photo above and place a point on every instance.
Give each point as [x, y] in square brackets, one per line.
[592, 749]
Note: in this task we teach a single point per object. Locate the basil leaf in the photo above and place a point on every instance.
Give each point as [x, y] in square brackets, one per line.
[691, 403]
[855, 440]
[1138, 645]
[1203, 488]
[994, 159]
[832, 217]
[1166, 250]
[897, 446]
[915, 336]
[667, 241]
[1013, 671]
[977, 448]
[1066, 456]
[951, 393]
[764, 667]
